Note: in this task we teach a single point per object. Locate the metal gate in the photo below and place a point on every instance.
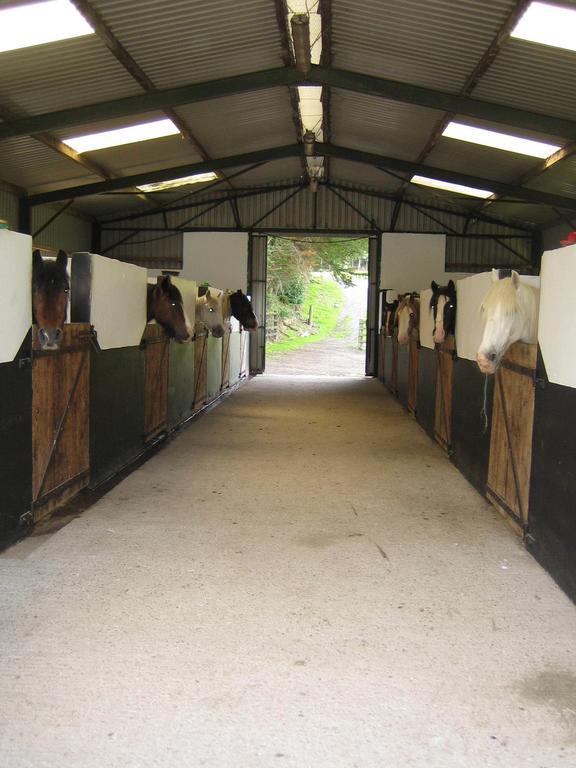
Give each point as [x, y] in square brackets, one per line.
[60, 420]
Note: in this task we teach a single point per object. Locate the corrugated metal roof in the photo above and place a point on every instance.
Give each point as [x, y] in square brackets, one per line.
[242, 123]
[66, 74]
[475, 159]
[379, 125]
[181, 42]
[364, 175]
[531, 76]
[434, 43]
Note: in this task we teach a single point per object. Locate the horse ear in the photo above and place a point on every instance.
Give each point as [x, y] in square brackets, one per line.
[62, 259]
[451, 285]
[515, 279]
[207, 294]
[434, 286]
[495, 275]
[37, 262]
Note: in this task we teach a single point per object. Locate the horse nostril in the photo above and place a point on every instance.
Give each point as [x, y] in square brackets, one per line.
[43, 337]
[491, 356]
[58, 335]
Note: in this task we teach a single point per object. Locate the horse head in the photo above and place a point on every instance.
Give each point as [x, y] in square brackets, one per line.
[50, 289]
[407, 316]
[165, 305]
[510, 313]
[389, 319]
[443, 304]
[210, 313]
[241, 309]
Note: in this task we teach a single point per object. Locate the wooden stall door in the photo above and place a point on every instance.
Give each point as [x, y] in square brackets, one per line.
[413, 372]
[381, 357]
[226, 359]
[155, 381]
[200, 369]
[510, 461]
[444, 382]
[60, 420]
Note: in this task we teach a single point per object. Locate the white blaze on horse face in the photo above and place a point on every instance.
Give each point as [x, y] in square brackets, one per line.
[439, 330]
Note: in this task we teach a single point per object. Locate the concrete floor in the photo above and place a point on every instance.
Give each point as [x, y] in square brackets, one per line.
[300, 579]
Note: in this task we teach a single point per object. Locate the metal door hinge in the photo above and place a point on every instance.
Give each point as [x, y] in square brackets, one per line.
[24, 362]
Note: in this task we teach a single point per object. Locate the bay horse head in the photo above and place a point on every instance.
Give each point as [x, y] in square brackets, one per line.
[165, 305]
[241, 309]
[443, 305]
[407, 316]
[510, 313]
[210, 311]
[50, 289]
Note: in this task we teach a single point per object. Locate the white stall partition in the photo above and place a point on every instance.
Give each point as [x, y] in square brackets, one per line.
[557, 320]
[470, 293]
[216, 258]
[426, 319]
[16, 280]
[111, 296]
[410, 261]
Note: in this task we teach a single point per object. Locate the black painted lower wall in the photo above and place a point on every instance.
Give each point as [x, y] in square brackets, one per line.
[15, 445]
[552, 510]
[389, 364]
[426, 392]
[403, 366]
[116, 411]
[470, 436]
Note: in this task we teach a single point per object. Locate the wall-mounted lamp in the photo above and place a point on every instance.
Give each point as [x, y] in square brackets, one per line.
[300, 24]
[309, 142]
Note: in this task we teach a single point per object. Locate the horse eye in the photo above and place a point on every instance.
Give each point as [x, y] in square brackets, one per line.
[173, 303]
[211, 309]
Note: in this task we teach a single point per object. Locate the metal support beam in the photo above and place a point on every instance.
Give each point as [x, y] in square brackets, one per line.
[508, 190]
[53, 218]
[24, 215]
[288, 76]
[263, 155]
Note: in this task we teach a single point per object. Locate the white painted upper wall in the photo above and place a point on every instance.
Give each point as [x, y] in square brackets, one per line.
[16, 281]
[410, 262]
[116, 298]
[557, 324]
[218, 258]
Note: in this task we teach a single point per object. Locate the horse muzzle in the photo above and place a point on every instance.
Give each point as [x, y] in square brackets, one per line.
[488, 364]
[50, 338]
[217, 331]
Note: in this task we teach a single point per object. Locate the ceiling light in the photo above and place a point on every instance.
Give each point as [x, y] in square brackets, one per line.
[449, 187]
[499, 140]
[158, 186]
[37, 23]
[133, 133]
[549, 25]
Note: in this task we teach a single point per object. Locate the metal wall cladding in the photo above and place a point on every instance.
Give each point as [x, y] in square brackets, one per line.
[65, 74]
[242, 123]
[475, 255]
[147, 249]
[68, 232]
[183, 42]
[379, 125]
[437, 43]
[532, 76]
[9, 207]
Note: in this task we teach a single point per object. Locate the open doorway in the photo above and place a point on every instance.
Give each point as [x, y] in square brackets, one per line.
[316, 305]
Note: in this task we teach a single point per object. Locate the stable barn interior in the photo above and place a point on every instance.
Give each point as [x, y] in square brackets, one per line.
[320, 562]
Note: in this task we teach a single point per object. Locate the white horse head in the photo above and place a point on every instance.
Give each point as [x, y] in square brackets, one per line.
[407, 316]
[209, 311]
[510, 314]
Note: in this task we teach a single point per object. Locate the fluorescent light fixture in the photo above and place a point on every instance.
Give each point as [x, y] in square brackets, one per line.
[130, 135]
[159, 186]
[499, 140]
[449, 187]
[549, 25]
[38, 23]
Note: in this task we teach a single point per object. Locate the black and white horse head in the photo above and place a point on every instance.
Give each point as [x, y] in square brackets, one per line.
[443, 305]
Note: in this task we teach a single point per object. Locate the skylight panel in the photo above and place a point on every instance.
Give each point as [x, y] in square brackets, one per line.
[130, 135]
[548, 25]
[449, 187]
[39, 23]
[159, 186]
[499, 140]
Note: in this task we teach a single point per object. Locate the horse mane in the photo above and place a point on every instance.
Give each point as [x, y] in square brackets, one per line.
[504, 295]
